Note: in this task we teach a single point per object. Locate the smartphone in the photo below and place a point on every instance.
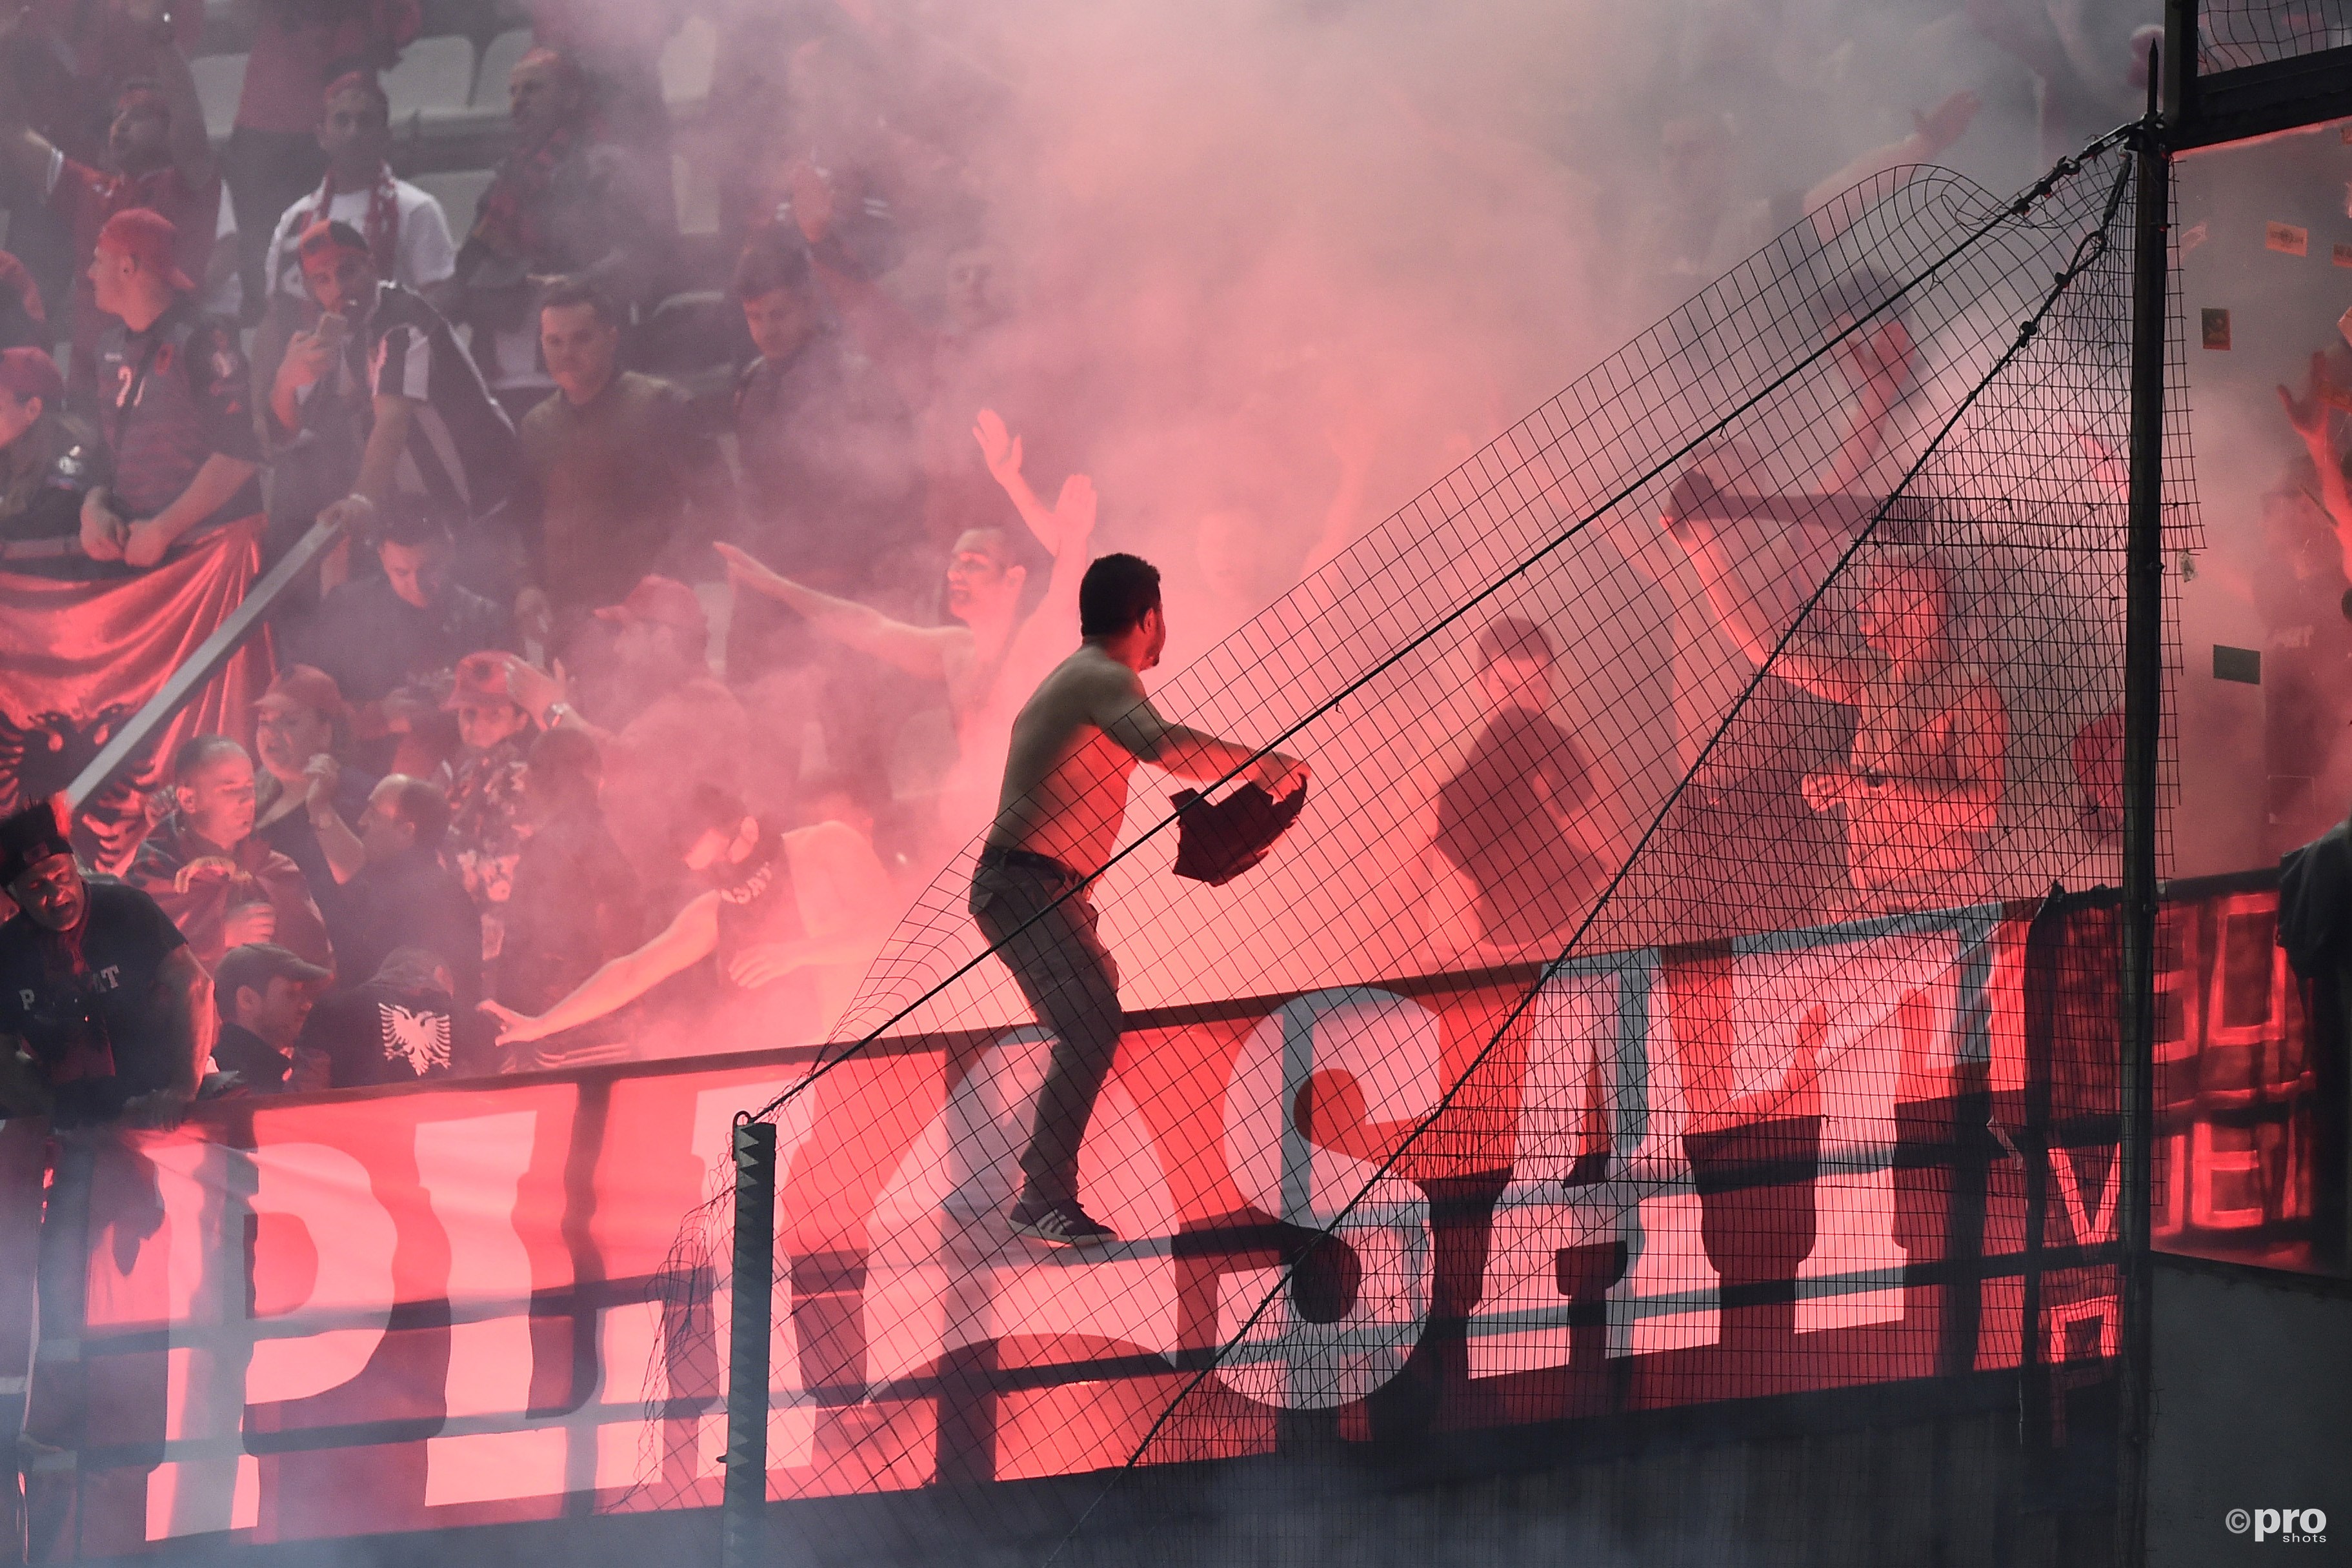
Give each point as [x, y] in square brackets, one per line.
[333, 328]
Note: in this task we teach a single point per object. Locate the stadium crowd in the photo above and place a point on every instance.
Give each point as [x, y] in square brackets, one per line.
[668, 629]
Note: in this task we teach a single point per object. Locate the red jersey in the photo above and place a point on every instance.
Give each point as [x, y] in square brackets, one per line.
[84, 198]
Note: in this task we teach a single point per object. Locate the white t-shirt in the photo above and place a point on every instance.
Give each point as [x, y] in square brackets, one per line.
[423, 252]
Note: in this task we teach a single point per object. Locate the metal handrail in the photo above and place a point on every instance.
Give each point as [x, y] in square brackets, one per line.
[202, 665]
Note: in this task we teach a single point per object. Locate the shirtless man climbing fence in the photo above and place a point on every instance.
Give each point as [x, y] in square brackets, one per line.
[1075, 743]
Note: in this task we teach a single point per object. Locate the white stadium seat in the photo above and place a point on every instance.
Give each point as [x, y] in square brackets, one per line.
[434, 77]
[498, 63]
[220, 82]
[687, 61]
[698, 196]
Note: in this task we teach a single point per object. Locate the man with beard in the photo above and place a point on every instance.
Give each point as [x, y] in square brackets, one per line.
[219, 881]
[405, 897]
[563, 204]
[774, 912]
[996, 652]
[106, 1013]
[106, 1022]
[382, 397]
[264, 995]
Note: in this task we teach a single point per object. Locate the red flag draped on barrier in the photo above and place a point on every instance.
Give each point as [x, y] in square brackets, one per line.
[82, 657]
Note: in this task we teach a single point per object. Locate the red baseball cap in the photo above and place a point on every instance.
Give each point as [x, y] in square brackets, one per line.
[664, 600]
[481, 678]
[150, 239]
[30, 372]
[303, 686]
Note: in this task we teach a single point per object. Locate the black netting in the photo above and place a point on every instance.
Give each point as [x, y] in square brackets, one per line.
[2235, 33]
[1654, 948]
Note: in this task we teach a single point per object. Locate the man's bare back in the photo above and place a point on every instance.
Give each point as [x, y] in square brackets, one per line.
[1075, 743]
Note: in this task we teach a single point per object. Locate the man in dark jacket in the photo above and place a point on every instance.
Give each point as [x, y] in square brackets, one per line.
[405, 896]
[221, 882]
[263, 995]
[576, 902]
[402, 1026]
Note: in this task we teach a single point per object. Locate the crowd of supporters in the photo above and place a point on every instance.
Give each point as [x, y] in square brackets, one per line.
[515, 739]
[680, 588]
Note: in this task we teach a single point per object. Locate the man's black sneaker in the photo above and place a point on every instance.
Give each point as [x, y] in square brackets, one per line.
[1060, 1225]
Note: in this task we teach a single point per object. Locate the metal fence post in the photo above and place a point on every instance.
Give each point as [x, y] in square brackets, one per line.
[745, 1498]
[2142, 729]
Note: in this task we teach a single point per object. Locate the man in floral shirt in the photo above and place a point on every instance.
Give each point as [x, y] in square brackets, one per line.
[485, 785]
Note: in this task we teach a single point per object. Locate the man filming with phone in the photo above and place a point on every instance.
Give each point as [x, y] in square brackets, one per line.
[381, 371]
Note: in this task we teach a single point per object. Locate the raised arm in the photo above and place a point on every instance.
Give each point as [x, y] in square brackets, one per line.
[2312, 416]
[25, 153]
[192, 147]
[1931, 133]
[690, 938]
[1825, 658]
[1001, 450]
[1124, 713]
[1355, 440]
[918, 650]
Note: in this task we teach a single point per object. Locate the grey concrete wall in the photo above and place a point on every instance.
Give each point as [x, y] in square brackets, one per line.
[2254, 1410]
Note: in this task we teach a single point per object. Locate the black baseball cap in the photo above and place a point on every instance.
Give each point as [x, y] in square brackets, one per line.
[253, 966]
[28, 837]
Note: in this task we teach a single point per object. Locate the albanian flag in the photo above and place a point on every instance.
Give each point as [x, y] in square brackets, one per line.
[78, 658]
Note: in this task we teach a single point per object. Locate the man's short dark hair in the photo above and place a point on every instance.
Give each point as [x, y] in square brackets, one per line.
[1515, 636]
[423, 808]
[565, 292]
[1117, 592]
[189, 757]
[409, 522]
[142, 94]
[707, 809]
[411, 969]
[252, 967]
[769, 263]
[364, 82]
